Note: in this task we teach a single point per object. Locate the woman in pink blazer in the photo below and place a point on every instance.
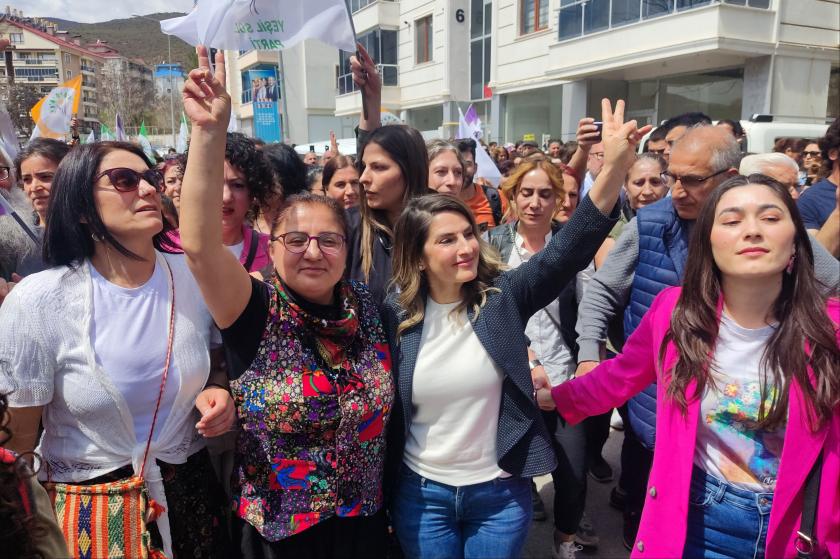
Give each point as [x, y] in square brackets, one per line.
[745, 356]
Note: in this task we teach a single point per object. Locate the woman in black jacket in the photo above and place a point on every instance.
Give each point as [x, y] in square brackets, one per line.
[466, 435]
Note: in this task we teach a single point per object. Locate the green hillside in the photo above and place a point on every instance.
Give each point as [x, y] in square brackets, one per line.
[134, 38]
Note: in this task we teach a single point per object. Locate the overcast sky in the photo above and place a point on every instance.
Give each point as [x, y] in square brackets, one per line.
[90, 11]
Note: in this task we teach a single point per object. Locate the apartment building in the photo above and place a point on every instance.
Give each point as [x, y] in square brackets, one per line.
[535, 67]
[43, 57]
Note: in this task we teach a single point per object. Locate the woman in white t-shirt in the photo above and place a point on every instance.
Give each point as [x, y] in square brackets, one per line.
[466, 435]
[745, 358]
[83, 346]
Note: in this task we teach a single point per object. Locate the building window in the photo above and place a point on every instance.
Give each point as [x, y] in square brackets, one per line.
[356, 5]
[16, 38]
[533, 16]
[382, 46]
[67, 74]
[423, 40]
[67, 58]
[480, 42]
[581, 17]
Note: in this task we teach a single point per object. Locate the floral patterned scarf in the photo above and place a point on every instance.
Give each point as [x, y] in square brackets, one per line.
[332, 337]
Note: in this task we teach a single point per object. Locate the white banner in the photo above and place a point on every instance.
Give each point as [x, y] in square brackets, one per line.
[263, 24]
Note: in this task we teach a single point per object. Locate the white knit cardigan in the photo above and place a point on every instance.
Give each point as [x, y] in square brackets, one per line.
[47, 359]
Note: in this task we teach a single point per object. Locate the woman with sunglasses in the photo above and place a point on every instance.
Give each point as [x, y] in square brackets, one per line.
[309, 361]
[84, 349]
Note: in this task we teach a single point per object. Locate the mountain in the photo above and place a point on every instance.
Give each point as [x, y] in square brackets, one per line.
[134, 37]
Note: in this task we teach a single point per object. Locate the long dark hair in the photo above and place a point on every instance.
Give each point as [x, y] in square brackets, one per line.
[48, 148]
[410, 235]
[18, 529]
[407, 148]
[73, 221]
[800, 310]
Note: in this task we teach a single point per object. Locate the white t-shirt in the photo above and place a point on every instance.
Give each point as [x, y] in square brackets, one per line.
[237, 248]
[542, 329]
[456, 394]
[728, 446]
[129, 335]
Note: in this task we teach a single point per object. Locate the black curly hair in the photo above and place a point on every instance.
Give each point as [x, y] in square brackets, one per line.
[830, 141]
[18, 529]
[242, 153]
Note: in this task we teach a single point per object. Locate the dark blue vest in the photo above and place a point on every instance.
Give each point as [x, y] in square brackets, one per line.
[663, 248]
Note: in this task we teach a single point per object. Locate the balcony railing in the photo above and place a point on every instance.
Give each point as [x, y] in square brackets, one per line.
[90, 69]
[356, 5]
[389, 72]
[582, 17]
[35, 61]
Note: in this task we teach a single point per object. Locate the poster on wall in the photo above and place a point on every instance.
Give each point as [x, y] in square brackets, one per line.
[265, 93]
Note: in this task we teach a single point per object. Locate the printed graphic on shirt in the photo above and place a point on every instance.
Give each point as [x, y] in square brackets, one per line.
[747, 454]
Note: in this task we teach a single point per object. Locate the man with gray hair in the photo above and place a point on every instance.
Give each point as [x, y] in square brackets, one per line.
[776, 166]
[648, 257]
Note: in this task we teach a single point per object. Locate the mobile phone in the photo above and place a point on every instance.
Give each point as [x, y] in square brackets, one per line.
[600, 126]
[311, 147]
[326, 148]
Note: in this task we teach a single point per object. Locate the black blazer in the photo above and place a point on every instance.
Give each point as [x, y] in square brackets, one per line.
[523, 444]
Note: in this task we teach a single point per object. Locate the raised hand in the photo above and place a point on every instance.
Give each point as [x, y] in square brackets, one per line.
[587, 133]
[620, 138]
[206, 102]
[365, 74]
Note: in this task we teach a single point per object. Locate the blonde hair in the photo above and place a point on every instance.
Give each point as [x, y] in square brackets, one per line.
[510, 186]
[411, 233]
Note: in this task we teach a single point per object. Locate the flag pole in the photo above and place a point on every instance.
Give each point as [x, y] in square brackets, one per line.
[8, 209]
[358, 57]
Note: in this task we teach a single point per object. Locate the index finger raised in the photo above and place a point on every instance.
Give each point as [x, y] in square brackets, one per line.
[606, 111]
[221, 71]
[203, 57]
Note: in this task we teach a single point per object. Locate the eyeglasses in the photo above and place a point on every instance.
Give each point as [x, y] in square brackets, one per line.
[4, 173]
[689, 181]
[127, 180]
[597, 155]
[812, 153]
[297, 242]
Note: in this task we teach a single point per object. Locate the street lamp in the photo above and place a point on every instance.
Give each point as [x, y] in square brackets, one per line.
[171, 87]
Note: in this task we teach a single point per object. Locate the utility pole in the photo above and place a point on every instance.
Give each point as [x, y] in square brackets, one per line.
[171, 85]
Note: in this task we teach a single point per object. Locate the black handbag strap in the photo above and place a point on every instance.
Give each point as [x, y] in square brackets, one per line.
[252, 249]
[806, 539]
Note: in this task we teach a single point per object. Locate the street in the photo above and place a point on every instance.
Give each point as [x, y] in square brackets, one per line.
[605, 519]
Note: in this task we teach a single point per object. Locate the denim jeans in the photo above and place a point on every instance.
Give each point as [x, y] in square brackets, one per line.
[437, 521]
[724, 520]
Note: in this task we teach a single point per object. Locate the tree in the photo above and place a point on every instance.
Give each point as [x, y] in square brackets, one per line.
[20, 99]
[123, 90]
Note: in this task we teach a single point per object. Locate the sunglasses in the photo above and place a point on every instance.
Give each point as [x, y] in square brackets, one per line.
[812, 153]
[127, 180]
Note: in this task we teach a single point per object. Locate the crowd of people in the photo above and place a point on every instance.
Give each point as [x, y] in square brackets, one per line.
[374, 354]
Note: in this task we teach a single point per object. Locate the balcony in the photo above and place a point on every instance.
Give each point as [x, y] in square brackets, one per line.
[34, 62]
[382, 13]
[88, 69]
[675, 40]
[254, 57]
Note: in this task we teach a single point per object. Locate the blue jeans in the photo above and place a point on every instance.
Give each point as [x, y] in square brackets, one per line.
[486, 520]
[724, 520]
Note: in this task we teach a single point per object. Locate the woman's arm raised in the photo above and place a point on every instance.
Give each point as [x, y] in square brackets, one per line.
[224, 283]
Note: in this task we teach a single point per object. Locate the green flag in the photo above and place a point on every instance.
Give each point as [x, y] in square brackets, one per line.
[143, 140]
[105, 134]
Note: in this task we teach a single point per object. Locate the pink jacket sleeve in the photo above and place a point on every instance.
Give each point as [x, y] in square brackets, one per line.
[614, 381]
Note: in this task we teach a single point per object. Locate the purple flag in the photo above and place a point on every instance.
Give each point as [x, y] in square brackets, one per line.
[471, 115]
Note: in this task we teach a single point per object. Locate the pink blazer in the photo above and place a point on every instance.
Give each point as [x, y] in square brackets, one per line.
[663, 524]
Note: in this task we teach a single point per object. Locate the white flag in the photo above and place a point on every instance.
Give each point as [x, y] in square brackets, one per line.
[91, 139]
[485, 168]
[264, 24]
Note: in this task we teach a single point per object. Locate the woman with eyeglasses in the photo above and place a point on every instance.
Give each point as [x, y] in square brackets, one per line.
[309, 361]
[85, 346]
[745, 358]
